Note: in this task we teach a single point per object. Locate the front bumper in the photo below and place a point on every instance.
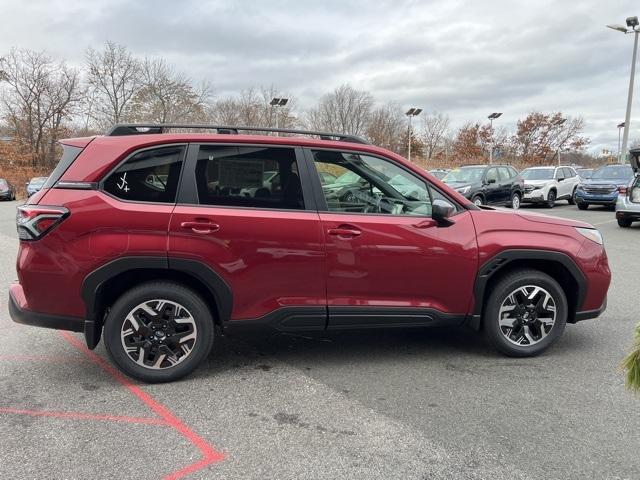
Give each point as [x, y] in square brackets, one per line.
[20, 313]
[596, 199]
[587, 314]
[534, 196]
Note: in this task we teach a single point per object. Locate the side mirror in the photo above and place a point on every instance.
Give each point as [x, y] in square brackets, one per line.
[491, 180]
[441, 210]
[561, 179]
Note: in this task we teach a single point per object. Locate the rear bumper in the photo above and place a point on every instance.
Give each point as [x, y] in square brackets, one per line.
[627, 209]
[20, 313]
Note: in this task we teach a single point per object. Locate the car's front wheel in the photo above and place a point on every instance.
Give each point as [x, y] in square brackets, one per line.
[551, 199]
[159, 332]
[583, 206]
[525, 313]
[477, 200]
[515, 200]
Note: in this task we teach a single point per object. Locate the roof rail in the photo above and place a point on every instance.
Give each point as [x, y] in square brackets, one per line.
[149, 128]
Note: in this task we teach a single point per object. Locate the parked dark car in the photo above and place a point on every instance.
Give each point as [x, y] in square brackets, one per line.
[7, 191]
[488, 184]
[35, 184]
[161, 253]
[604, 186]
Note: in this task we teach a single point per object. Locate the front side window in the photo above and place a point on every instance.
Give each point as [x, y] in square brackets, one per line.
[148, 176]
[492, 175]
[464, 175]
[256, 177]
[368, 184]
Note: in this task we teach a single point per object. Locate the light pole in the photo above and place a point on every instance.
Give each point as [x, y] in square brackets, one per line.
[412, 112]
[620, 125]
[557, 123]
[491, 118]
[278, 102]
[632, 27]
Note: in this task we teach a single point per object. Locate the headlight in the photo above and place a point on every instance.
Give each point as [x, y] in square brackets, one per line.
[590, 233]
[463, 190]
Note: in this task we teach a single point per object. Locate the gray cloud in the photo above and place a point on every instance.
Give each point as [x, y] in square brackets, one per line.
[465, 58]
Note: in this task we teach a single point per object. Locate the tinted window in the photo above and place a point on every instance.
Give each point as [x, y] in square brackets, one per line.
[367, 184]
[513, 171]
[492, 174]
[569, 172]
[538, 174]
[560, 173]
[504, 173]
[464, 174]
[148, 176]
[69, 154]
[258, 177]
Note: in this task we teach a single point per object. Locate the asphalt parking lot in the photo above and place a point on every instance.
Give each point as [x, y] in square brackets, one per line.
[404, 404]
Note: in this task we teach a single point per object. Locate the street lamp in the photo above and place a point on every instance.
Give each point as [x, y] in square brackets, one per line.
[557, 123]
[412, 112]
[620, 125]
[278, 102]
[491, 118]
[632, 27]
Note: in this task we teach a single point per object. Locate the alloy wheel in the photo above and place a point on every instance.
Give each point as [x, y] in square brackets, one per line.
[527, 315]
[515, 201]
[158, 334]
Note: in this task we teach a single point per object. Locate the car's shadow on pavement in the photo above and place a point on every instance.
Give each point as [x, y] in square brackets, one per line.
[362, 348]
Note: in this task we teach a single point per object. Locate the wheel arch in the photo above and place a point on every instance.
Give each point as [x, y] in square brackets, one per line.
[105, 284]
[561, 267]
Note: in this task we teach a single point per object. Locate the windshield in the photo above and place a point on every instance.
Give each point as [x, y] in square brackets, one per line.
[3, 183]
[465, 174]
[613, 173]
[348, 177]
[538, 173]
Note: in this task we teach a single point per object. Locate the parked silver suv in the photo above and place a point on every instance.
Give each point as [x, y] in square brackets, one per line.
[545, 185]
[628, 203]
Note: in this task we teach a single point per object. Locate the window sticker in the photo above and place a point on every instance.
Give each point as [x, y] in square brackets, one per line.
[240, 173]
[122, 184]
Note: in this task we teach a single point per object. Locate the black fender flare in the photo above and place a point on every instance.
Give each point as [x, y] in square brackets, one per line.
[502, 259]
[94, 281]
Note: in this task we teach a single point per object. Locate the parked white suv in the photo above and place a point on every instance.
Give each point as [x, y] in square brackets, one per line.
[546, 185]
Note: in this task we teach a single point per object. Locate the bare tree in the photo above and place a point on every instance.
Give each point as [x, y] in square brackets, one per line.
[386, 127]
[167, 96]
[433, 134]
[345, 110]
[38, 96]
[113, 75]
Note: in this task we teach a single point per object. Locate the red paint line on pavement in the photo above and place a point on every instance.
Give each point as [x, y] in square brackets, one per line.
[84, 416]
[210, 454]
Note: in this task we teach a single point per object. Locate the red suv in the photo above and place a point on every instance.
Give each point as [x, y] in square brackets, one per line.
[161, 239]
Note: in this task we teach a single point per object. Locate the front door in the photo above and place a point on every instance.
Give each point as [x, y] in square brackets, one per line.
[387, 260]
[250, 222]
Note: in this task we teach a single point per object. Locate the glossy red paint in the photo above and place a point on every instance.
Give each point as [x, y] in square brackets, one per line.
[279, 258]
[269, 258]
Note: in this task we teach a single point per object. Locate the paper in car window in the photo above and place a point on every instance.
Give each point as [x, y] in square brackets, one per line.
[240, 173]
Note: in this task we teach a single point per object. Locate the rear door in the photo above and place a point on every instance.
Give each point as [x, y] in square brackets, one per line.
[258, 231]
[506, 184]
[387, 260]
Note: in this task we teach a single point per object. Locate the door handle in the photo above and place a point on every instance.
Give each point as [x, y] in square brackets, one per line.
[201, 226]
[344, 231]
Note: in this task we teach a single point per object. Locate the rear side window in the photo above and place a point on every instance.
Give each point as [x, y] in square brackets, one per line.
[255, 177]
[69, 154]
[148, 176]
[504, 173]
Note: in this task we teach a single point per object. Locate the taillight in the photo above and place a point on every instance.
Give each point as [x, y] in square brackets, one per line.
[622, 190]
[34, 221]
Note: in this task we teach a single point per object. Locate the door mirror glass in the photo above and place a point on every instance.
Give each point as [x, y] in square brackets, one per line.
[491, 180]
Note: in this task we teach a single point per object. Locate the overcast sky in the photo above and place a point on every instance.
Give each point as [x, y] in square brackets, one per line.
[463, 58]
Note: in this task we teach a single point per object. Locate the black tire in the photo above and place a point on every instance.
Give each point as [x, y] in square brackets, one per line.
[172, 292]
[551, 199]
[572, 198]
[499, 293]
[624, 222]
[583, 206]
[477, 200]
[516, 201]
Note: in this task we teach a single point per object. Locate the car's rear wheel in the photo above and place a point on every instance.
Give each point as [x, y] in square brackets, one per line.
[477, 200]
[624, 222]
[525, 313]
[159, 332]
[515, 200]
[551, 198]
[583, 206]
